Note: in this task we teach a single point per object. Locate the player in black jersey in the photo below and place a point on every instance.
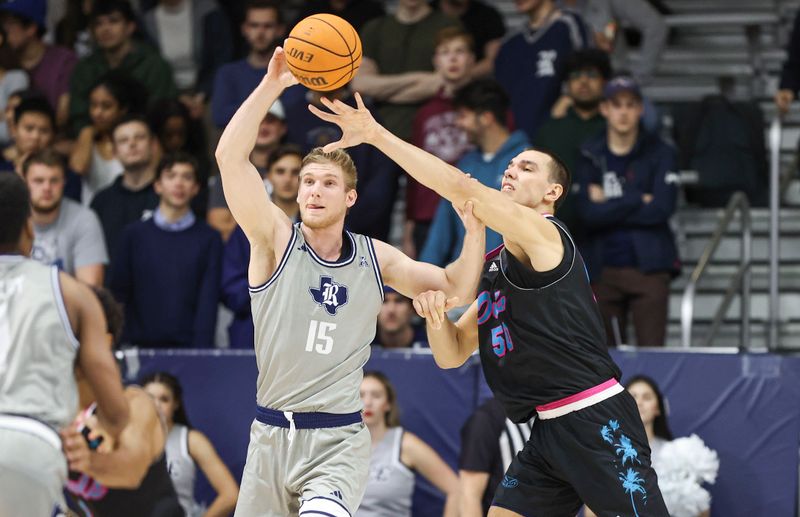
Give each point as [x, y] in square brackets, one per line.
[540, 336]
[125, 478]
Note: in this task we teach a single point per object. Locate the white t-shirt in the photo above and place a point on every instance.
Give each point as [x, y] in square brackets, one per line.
[174, 25]
[74, 240]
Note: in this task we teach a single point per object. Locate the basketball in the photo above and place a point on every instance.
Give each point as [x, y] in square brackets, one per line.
[323, 51]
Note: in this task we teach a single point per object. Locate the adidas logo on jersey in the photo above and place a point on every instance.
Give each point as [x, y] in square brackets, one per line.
[493, 267]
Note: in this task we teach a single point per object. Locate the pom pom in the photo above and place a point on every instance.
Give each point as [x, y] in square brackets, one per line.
[682, 465]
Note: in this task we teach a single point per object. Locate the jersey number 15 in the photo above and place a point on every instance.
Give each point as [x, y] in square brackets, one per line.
[319, 340]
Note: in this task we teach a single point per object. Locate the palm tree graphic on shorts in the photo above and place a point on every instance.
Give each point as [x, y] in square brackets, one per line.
[632, 483]
[625, 447]
[607, 431]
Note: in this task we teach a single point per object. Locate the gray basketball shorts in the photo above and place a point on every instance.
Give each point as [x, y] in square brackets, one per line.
[319, 471]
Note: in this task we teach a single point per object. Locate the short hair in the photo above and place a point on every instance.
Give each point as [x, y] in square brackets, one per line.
[448, 34]
[559, 173]
[171, 159]
[115, 318]
[108, 7]
[46, 156]
[264, 4]
[35, 104]
[284, 150]
[392, 417]
[484, 96]
[15, 209]
[588, 59]
[126, 90]
[130, 118]
[340, 158]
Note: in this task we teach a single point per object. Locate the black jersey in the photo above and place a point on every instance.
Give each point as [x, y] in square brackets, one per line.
[541, 334]
[155, 496]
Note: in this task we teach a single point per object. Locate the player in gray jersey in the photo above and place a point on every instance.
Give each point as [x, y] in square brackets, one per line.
[47, 319]
[316, 291]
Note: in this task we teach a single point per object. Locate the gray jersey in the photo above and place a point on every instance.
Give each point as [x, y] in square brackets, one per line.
[314, 322]
[181, 466]
[391, 484]
[37, 345]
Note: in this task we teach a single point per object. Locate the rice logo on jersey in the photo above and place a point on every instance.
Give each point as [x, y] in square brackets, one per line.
[330, 295]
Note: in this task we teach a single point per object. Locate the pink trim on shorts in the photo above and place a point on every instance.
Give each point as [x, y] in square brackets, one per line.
[580, 400]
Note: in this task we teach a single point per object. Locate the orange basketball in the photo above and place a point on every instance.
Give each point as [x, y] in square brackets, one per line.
[323, 51]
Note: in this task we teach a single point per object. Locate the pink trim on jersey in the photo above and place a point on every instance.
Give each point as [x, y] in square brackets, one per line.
[492, 254]
[585, 394]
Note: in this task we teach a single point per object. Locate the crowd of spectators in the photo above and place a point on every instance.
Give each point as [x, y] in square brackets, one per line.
[104, 100]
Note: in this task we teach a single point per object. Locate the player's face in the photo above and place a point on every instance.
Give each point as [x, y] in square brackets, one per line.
[323, 195]
[132, 145]
[395, 313]
[270, 131]
[375, 400]
[622, 112]
[585, 87]
[164, 399]
[46, 185]
[646, 401]
[111, 31]
[261, 29]
[453, 59]
[285, 178]
[527, 181]
[34, 132]
[104, 109]
[177, 185]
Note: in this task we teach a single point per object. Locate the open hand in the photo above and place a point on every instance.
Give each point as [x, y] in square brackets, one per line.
[357, 124]
[277, 70]
[432, 305]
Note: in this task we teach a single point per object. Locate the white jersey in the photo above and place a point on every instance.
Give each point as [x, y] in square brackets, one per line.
[314, 321]
[37, 344]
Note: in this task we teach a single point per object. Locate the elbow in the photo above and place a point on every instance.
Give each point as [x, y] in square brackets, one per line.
[448, 363]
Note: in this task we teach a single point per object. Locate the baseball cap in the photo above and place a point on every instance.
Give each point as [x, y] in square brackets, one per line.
[622, 84]
[276, 110]
[33, 10]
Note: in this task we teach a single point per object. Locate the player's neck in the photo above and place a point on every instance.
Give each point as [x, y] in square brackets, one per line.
[622, 143]
[327, 241]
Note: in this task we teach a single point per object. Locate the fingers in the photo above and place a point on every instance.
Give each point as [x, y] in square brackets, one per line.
[432, 305]
[328, 117]
[329, 148]
[451, 303]
[360, 101]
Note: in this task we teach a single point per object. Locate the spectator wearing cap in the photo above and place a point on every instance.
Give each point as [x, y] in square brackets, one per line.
[49, 66]
[627, 190]
[112, 24]
[585, 76]
[271, 134]
[528, 64]
[166, 270]
[284, 176]
[395, 323]
[193, 54]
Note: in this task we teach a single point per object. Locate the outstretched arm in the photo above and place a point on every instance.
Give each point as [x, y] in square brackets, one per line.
[517, 223]
[451, 343]
[267, 228]
[458, 279]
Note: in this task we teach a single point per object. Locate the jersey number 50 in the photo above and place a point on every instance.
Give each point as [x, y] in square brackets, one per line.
[318, 339]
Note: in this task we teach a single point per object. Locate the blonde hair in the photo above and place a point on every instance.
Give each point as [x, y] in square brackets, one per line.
[340, 158]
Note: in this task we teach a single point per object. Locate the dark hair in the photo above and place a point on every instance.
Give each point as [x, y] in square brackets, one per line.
[129, 118]
[127, 91]
[15, 209]
[660, 425]
[284, 150]
[174, 385]
[588, 59]
[9, 59]
[163, 110]
[108, 7]
[264, 4]
[481, 96]
[35, 104]
[115, 318]
[169, 160]
[392, 417]
[559, 173]
[73, 22]
[47, 157]
[26, 22]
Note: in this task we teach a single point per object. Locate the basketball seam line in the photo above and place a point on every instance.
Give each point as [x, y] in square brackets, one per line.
[324, 71]
[337, 32]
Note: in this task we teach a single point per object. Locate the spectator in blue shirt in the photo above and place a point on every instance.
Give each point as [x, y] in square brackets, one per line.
[529, 64]
[627, 190]
[166, 270]
[481, 112]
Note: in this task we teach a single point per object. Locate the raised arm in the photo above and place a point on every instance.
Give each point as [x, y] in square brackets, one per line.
[451, 343]
[267, 228]
[517, 223]
[458, 279]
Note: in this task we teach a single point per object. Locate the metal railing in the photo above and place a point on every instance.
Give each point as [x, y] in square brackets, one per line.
[740, 280]
[774, 231]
